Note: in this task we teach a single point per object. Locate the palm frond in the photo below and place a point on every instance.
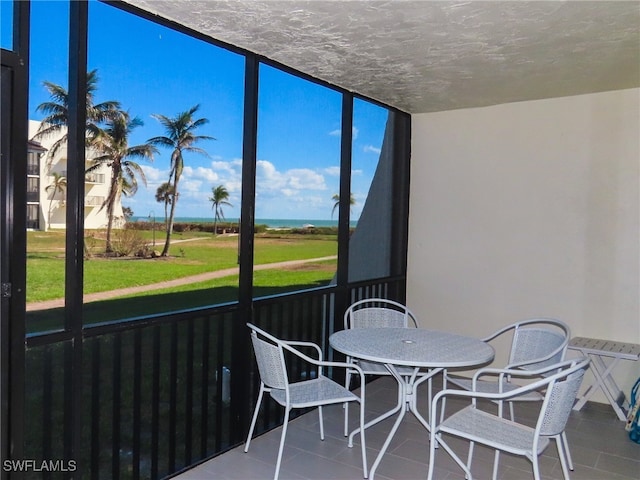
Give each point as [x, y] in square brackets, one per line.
[163, 141]
[197, 150]
[57, 145]
[199, 122]
[134, 170]
[94, 166]
[57, 92]
[52, 109]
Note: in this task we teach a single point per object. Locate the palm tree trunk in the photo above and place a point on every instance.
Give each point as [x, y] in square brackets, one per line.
[166, 214]
[109, 248]
[167, 242]
[48, 226]
[110, 208]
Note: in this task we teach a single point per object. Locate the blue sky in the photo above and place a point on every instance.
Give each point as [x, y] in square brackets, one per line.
[152, 69]
[6, 30]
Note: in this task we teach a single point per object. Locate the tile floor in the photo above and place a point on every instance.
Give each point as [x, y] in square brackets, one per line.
[599, 446]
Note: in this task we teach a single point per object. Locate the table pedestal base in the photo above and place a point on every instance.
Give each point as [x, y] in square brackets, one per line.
[407, 401]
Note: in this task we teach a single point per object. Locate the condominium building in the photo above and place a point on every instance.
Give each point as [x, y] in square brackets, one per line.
[46, 187]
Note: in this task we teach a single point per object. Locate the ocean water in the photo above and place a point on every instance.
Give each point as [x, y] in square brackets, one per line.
[295, 223]
[269, 222]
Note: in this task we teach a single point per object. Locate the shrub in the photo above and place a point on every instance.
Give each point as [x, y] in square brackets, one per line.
[129, 242]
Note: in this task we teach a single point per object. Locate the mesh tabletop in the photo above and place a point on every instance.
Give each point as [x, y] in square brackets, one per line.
[415, 347]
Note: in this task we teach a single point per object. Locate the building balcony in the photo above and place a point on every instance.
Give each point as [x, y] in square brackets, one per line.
[94, 178]
[93, 201]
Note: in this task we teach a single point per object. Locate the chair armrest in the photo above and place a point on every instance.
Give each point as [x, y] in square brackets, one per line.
[473, 395]
[349, 366]
[541, 382]
[296, 343]
[516, 372]
[321, 363]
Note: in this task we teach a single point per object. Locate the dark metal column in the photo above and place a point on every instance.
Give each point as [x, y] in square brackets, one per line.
[344, 209]
[78, 19]
[401, 183]
[13, 241]
[241, 346]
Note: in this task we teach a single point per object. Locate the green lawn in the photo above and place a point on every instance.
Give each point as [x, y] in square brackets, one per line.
[191, 253]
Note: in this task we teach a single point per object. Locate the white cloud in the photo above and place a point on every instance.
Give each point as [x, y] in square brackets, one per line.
[155, 175]
[332, 171]
[292, 193]
[232, 168]
[268, 177]
[314, 201]
[234, 186]
[201, 173]
[191, 189]
[337, 132]
[305, 179]
[371, 149]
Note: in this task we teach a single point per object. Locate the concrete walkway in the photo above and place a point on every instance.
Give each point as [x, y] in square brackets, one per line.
[202, 277]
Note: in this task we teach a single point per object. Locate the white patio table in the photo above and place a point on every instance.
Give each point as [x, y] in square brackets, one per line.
[410, 347]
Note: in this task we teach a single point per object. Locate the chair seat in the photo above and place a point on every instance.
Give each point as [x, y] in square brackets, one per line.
[494, 387]
[310, 393]
[493, 431]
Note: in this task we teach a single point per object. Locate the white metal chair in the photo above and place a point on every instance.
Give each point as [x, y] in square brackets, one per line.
[376, 313]
[319, 391]
[560, 382]
[535, 343]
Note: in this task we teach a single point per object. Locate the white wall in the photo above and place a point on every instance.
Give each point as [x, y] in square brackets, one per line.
[529, 209]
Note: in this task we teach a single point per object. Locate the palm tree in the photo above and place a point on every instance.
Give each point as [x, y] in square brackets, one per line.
[219, 198]
[181, 138]
[127, 212]
[164, 193]
[336, 199]
[113, 144]
[59, 184]
[57, 113]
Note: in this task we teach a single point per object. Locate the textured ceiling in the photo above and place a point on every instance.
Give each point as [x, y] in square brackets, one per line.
[426, 56]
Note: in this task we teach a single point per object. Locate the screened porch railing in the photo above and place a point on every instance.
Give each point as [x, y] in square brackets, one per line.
[161, 396]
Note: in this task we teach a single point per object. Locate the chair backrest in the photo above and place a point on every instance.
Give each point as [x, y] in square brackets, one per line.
[270, 358]
[378, 313]
[560, 396]
[539, 342]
